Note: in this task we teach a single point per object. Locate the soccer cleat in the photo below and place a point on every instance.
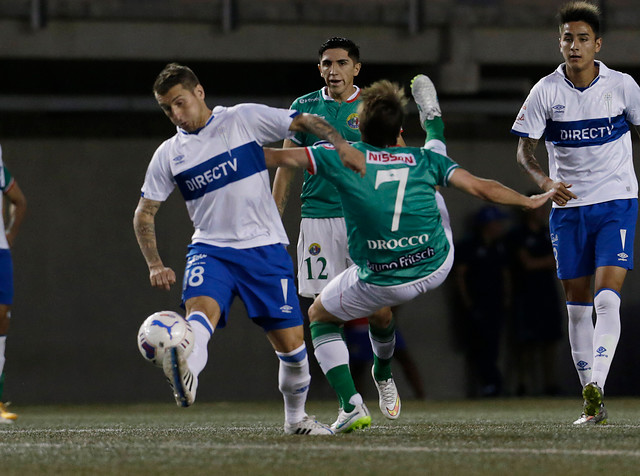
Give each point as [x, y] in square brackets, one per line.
[357, 419]
[592, 398]
[426, 98]
[600, 418]
[5, 416]
[182, 381]
[389, 400]
[308, 426]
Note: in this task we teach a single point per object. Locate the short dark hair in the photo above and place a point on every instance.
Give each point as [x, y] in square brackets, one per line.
[172, 75]
[338, 42]
[580, 11]
[381, 113]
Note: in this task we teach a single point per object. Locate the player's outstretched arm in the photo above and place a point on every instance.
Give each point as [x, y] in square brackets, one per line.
[282, 182]
[144, 227]
[494, 191]
[17, 211]
[351, 158]
[527, 160]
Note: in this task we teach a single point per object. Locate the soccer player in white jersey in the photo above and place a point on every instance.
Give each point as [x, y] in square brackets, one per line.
[238, 247]
[397, 239]
[17, 210]
[584, 110]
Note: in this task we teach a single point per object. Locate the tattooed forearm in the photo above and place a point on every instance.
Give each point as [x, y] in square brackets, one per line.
[145, 230]
[529, 163]
[317, 126]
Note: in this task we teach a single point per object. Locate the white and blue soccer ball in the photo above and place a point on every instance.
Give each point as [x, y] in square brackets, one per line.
[162, 330]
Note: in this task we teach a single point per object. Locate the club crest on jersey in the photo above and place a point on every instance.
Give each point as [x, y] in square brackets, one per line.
[353, 121]
[314, 249]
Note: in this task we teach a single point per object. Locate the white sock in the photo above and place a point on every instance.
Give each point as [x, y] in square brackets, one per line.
[581, 339]
[331, 351]
[606, 334]
[383, 350]
[202, 330]
[293, 381]
[3, 343]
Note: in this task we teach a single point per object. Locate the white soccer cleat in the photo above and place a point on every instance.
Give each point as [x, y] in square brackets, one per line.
[6, 416]
[307, 426]
[357, 419]
[183, 383]
[426, 98]
[389, 400]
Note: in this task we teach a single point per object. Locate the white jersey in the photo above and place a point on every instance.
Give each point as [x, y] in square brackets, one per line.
[221, 172]
[586, 132]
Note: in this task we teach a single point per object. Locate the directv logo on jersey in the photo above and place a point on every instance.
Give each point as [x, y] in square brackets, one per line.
[221, 170]
[374, 157]
[586, 134]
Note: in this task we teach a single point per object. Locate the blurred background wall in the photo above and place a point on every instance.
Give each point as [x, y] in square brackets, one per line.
[78, 125]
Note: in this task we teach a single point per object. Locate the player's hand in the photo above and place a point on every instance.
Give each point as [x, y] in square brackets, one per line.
[162, 277]
[536, 201]
[353, 159]
[561, 193]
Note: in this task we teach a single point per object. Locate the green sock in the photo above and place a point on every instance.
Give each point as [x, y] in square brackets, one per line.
[383, 344]
[333, 356]
[435, 129]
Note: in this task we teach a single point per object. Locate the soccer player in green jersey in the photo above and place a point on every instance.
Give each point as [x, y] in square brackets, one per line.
[322, 249]
[395, 233]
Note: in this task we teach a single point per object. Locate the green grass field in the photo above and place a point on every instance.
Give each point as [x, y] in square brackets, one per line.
[487, 437]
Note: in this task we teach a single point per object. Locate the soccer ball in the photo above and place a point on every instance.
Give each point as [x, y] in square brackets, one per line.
[162, 330]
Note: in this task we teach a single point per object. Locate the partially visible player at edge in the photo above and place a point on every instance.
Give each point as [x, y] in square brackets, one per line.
[216, 160]
[15, 214]
[584, 109]
[395, 207]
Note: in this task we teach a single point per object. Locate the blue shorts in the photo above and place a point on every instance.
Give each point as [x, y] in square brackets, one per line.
[588, 237]
[6, 277]
[261, 277]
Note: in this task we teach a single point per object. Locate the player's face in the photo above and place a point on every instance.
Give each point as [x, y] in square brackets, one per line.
[338, 71]
[186, 109]
[579, 45]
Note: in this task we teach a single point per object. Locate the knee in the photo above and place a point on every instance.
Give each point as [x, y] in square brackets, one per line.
[381, 318]
[606, 299]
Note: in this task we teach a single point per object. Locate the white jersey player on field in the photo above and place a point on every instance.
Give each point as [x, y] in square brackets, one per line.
[584, 109]
[238, 247]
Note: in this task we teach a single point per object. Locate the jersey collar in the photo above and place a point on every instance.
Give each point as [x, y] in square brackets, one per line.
[603, 71]
[182, 131]
[353, 97]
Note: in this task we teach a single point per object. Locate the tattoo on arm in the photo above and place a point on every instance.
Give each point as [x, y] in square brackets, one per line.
[528, 161]
[317, 126]
[145, 230]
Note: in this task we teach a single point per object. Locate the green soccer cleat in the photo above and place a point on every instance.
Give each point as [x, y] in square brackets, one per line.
[357, 419]
[592, 398]
[600, 418]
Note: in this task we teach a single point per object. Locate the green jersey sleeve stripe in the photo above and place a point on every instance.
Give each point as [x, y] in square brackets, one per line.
[448, 174]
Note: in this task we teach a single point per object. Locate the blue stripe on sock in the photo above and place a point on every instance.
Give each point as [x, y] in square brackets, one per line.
[293, 358]
[572, 303]
[203, 321]
[608, 289]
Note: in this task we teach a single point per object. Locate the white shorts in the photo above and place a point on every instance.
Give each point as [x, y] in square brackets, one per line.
[322, 253]
[348, 298]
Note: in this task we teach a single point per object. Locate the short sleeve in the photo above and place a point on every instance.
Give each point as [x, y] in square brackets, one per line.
[532, 119]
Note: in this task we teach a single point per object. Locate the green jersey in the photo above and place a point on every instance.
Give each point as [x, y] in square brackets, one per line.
[319, 198]
[393, 223]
